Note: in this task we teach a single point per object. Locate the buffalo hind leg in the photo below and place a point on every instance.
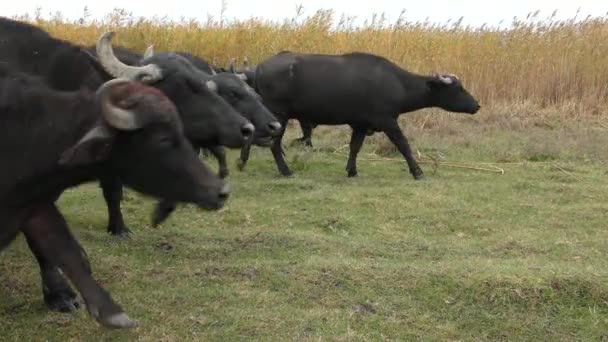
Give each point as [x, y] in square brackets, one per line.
[356, 141]
[49, 237]
[112, 192]
[393, 131]
[219, 154]
[277, 150]
[306, 138]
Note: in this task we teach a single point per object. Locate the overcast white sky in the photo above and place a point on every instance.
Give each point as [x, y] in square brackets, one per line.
[475, 12]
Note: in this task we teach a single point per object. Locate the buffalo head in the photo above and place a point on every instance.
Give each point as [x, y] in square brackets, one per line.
[447, 92]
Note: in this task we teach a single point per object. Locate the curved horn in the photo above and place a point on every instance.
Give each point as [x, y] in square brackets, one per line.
[113, 115]
[149, 52]
[445, 79]
[118, 69]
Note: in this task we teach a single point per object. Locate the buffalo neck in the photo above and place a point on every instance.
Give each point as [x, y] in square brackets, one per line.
[416, 93]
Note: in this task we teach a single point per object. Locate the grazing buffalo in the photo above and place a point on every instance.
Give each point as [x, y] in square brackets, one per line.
[66, 66]
[364, 91]
[52, 140]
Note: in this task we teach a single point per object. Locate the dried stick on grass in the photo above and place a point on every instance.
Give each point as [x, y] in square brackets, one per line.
[566, 172]
[470, 166]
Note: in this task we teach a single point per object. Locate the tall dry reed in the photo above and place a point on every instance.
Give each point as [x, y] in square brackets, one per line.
[543, 64]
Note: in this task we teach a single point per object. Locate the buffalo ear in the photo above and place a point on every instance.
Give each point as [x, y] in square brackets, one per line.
[94, 147]
[246, 64]
[149, 52]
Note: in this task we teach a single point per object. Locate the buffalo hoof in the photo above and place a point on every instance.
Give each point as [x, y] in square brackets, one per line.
[304, 141]
[161, 213]
[420, 177]
[224, 173]
[287, 173]
[111, 316]
[62, 301]
[117, 321]
[122, 235]
[352, 173]
[121, 231]
[240, 164]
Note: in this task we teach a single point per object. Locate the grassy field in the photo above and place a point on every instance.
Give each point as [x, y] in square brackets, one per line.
[465, 255]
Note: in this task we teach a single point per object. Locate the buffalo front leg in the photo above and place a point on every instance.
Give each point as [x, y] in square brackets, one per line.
[244, 157]
[112, 193]
[219, 154]
[57, 294]
[356, 141]
[393, 131]
[277, 150]
[49, 237]
[164, 208]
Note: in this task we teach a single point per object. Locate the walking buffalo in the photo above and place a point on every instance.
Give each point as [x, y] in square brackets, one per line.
[365, 91]
[232, 89]
[52, 140]
[66, 66]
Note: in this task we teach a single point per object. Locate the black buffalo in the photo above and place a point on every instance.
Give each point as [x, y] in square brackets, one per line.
[232, 88]
[66, 66]
[364, 91]
[249, 76]
[52, 140]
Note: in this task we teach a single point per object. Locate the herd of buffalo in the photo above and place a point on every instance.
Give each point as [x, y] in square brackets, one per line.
[71, 114]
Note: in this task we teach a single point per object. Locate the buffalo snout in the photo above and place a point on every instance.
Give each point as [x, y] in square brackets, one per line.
[475, 108]
[248, 130]
[274, 128]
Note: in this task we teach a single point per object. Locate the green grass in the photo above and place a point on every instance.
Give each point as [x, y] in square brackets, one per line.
[465, 255]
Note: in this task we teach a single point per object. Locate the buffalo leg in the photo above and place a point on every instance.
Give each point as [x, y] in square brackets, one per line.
[219, 154]
[112, 192]
[49, 237]
[393, 131]
[277, 151]
[9, 229]
[163, 209]
[356, 141]
[57, 294]
[306, 128]
[244, 157]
